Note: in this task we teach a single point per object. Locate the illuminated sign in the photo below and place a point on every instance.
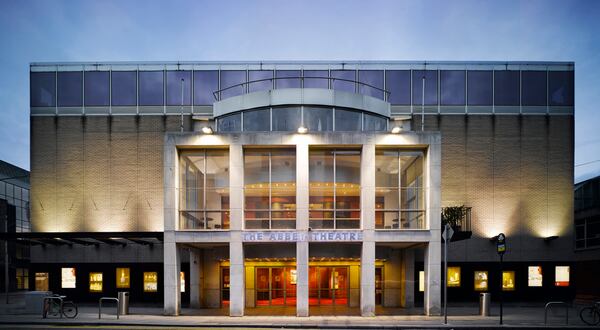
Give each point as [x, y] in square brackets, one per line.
[150, 281]
[453, 277]
[508, 280]
[295, 236]
[561, 276]
[481, 281]
[421, 281]
[123, 278]
[182, 281]
[95, 282]
[534, 276]
[67, 279]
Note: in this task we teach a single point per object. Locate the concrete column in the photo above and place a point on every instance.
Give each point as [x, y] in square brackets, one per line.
[195, 278]
[433, 267]
[367, 185]
[171, 266]
[302, 224]
[237, 276]
[367, 279]
[302, 308]
[408, 287]
[236, 187]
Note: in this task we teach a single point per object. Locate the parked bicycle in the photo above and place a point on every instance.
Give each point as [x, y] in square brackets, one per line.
[56, 305]
[591, 315]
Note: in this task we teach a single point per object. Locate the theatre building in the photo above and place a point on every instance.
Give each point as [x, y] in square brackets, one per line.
[302, 188]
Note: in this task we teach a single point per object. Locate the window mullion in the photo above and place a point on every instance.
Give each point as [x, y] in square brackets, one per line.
[334, 190]
[270, 192]
[204, 194]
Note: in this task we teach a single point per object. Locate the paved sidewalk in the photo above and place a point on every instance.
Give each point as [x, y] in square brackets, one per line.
[466, 316]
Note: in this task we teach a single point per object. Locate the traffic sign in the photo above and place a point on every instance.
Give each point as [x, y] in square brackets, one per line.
[501, 244]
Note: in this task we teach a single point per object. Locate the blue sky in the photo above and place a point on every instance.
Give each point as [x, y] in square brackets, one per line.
[57, 30]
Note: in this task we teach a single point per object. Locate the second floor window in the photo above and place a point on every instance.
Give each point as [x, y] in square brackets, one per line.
[399, 196]
[204, 189]
[334, 189]
[270, 188]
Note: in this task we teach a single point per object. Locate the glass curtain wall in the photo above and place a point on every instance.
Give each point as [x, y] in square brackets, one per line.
[204, 189]
[334, 189]
[270, 188]
[399, 196]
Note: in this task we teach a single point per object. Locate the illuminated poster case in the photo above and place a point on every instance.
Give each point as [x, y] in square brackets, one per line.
[67, 278]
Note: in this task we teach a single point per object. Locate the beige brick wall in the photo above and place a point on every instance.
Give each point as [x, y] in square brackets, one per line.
[516, 172]
[98, 173]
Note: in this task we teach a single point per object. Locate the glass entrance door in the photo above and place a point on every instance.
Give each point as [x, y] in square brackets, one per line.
[328, 285]
[275, 286]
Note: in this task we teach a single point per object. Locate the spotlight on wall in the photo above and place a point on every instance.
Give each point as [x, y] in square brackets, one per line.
[494, 239]
[302, 130]
[550, 238]
[396, 129]
[207, 130]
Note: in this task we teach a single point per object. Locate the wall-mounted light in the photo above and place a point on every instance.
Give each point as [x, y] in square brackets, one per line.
[550, 238]
[302, 129]
[396, 129]
[207, 130]
[494, 239]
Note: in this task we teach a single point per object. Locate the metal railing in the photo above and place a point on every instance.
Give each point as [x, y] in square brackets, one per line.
[105, 299]
[217, 94]
[556, 303]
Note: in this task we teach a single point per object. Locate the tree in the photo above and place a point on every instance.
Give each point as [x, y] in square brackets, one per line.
[453, 215]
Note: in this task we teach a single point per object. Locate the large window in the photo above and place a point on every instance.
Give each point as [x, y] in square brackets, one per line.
[97, 88]
[318, 119]
[347, 120]
[174, 85]
[124, 88]
[479, 87]
[560, 88]
[372, 78]
[397, 82]
[204, 189]
[533, 88]
[286, 118]
[151, 88]
[399, 195]
[230, 123]
[22, 278]
[452, 87]
[284, 82]
[257, 120]
[506, 88]
[334, 189]
[70, 89]
[270, 188]
[231, 79]
[431, 86]
[343, 85]
[262, 85]
[42, 89]
[205, 84]
[587, 232]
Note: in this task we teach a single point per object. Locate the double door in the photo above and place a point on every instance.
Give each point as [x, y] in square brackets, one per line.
[328, 285]
[275, 286]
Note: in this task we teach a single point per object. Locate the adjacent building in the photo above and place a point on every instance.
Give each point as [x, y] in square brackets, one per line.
[261, 185]
[587, 238]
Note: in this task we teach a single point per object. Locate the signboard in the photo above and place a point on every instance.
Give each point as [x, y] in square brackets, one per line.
[561, 276]
[67, 279]
[296, 236]
[501, 244]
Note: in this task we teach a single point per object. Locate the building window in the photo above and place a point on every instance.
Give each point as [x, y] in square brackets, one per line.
[431, 87]
[372, 78]
[205, 84]
[262, 84]
[348, 120]
[174, 87]
[506, 88]
[42, 281]
[257, 120]
[316, 79]
[70, 89]
[151, 88]
[534, 276]
[150, 281]
[421, 281]
[318, 119]
[334, 189]
[230, 123]
[508, 280]
[481, 281]
[374, 123]
[453, 277]
[68, 278]
[22, 278]
[533, 88]
[561, 276]
[479, 88]
[397, 82]
[42, 89]
[95, 282]
[452, 87]
[560, 88]
[123, 278]
[282, 80]
[587, 232]
[124, 88]
[204, 189]
[182, 282]
[400, 192]
[97, 84]
[286, 119]
[270, 188]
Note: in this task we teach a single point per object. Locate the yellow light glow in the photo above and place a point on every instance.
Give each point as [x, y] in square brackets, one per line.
[95, 282]
[123, 279]
[453, 277]
[150, 281]
[481, 281]
[508, 280]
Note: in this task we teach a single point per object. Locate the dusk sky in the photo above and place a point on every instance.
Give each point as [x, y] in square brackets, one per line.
[63, 31]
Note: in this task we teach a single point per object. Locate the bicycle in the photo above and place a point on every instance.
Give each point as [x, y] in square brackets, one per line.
[591, 315]
[55, 307]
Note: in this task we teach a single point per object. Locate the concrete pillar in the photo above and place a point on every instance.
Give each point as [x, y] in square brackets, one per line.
[171, 269]
[408, 287]
[237, 276]
[195, 278]
[302, 224]
[367, 279]
[433, 267]
[236, 187]
[367, 185]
